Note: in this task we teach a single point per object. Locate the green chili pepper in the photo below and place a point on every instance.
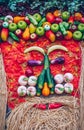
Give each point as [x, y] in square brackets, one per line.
[2, 18]
[13, 36]
[41, 22]
[62, 29]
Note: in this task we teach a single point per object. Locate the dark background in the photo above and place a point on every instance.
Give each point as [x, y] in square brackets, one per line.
[21, 7]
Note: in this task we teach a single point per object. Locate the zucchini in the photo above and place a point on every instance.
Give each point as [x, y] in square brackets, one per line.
[38, 91]
[52, 90]
[32, 20]
[49, 78]
[46, 62]
[41, 78]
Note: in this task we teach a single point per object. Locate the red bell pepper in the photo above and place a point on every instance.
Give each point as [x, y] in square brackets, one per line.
[40, 106]
[54, 105]
[71, 20]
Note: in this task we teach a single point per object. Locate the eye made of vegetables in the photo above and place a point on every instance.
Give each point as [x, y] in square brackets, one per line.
[59, 60]
[31, 91]
[21, 91]
[33, 63]
[59, 88]
[58, 78]
[23, 80]
[68, 77]
[32, 81]
[68, 87]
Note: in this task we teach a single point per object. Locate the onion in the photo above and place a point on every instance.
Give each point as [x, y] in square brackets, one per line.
[32, 81]
[68, 77]
[58, 78]
[68, 87]
[31, 91]
[59, 88]
[21, 91]
[23, 80]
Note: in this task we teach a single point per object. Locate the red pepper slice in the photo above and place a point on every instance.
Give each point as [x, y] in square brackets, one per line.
[40, 106]
[71, 19]
[54, 105]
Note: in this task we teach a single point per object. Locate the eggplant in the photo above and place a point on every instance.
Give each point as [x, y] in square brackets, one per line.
[33, 63]
[59, 60]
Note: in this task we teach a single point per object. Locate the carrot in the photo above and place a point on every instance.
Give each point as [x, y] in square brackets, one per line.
[18, 18]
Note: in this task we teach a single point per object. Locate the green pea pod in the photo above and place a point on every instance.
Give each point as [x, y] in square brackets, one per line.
[32, 20]
[2, 18]
[13, 36]
[46, 62]
[41, 22]
[62, 29]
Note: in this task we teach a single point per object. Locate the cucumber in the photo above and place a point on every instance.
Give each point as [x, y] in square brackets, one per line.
[41, 22]
[46, 62]
[32, 20]
[41, 78]
[62, 29]
[49, 78]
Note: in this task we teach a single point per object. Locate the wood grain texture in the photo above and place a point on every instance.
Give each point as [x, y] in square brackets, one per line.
[3, 94]
[82, 93]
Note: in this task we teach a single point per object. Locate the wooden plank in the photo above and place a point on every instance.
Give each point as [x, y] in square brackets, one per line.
[82, 94]
[3, 94]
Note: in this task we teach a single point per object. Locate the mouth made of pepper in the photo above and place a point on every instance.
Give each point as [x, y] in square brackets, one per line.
[48, 106]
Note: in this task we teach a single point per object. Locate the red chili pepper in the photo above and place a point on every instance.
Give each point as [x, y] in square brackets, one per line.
[54, 105]
[40, 106]
[71, 19]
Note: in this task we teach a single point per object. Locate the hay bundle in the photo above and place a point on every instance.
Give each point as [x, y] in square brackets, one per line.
[26, 117]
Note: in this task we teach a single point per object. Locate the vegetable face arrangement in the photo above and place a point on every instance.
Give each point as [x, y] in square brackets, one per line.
[42, 56]
[55, 26]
